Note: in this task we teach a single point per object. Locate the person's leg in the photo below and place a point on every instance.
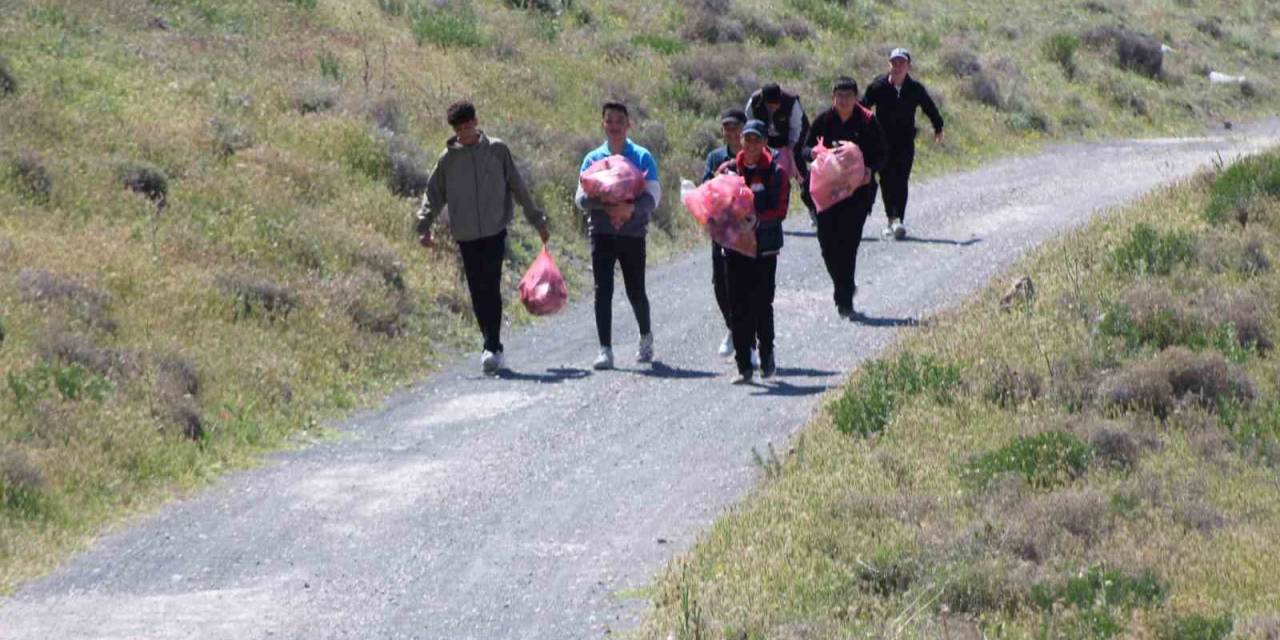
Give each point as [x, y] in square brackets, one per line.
[631, 255]
[766, 270]
[904, 187]
[741, 276]
[803, 184]
[859, 208]
[835, 255]
[603, 255]
[718, 283]
[482, 263]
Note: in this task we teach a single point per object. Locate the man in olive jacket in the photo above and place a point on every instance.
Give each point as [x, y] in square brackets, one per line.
[477, 179]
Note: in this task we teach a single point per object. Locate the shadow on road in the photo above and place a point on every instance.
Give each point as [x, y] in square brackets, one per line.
[781, 388]
[872, 321]
[955, 243]
[804, 373]
[552, 376]
[660, 370]
[801, 234]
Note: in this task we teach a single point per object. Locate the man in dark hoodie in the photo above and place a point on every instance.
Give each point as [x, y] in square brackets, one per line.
[895, 96]
[788, 127]
[731, 122]
[623, 243]
[752, 279]
[477, 179]
[840, 226]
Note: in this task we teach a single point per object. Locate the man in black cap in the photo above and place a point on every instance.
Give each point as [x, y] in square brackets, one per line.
[788, 128]
[731, 122]
[840, 225]
[895, 97]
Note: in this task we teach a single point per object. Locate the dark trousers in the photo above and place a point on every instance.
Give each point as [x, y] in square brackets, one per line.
[893, 180]
[751, 287]
[803, 168]
[630, 253]
[482, 262]
[839, 234]
[718, 282]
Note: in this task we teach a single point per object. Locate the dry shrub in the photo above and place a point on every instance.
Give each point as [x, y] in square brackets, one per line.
[73, 349]
[988, 585]
[33, 178]
[1009, 387]
[1260, 627]
[1211, 26]
[1037, 527]
[1139, 386]
[230, 136]
[387, 114]
[47, 289]
[371, 305]
[410, 167]
[1206, 376]
[177, 376]
[8, 81]
[1197, 515]
[1073, 381]
[961, 62]
[17, 472]
[984, 88]
[1134, 51]
[383, 261]
[144, 179]
[1247, 312]
[718, 69]
[315, 96]
[1115, 447]
[255, 295]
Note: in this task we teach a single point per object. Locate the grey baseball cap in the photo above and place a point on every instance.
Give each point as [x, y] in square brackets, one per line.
[900, 53]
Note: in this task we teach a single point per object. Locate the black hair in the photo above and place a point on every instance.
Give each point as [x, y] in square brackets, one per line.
[844, 83]
[614, 105]
[460, 112]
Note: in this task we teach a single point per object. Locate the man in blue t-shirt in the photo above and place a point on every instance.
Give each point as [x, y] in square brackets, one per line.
[617, 233]
[731, 122]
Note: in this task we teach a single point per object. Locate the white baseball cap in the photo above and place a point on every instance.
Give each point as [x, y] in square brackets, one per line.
[900, 53]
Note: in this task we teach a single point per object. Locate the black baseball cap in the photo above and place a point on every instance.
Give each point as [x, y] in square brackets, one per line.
[733, 115]
[771, 92]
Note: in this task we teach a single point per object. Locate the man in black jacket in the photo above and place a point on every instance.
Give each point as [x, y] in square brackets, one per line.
[840, 226]
[895, 97]
[788, 128]
[731, 123]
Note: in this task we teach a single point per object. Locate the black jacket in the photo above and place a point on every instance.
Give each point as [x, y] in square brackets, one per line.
[897, 113]
[861, 129]
[782, 121]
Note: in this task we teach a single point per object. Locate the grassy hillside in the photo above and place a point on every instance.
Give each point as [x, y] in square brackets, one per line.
[1098, 460]
[205, 205]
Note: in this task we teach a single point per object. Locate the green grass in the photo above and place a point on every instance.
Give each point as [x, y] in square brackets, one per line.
[281, 270]
[1049, 517]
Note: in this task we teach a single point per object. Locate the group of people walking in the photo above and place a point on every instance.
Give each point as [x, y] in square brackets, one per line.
[770, 144]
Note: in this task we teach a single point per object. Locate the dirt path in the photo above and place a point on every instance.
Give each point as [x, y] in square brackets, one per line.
[529, 506]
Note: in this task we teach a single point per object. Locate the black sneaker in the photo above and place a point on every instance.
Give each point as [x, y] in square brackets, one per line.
[845, 312]
[768, 366]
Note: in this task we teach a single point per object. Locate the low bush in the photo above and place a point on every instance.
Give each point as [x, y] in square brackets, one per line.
[453, 24]
[1147, 251]
[1238, 188]
[1197, 627]
[145, 179]
[259, 296]
[1043, 460]
[866, 407]
[315, 96]
[1060, 48]
[8, 81]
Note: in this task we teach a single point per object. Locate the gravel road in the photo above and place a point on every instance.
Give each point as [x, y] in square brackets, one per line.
[531, 505]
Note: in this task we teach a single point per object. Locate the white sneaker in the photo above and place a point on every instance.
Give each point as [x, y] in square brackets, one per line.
[644, 353]
[755, 359]
[604, 360]
[898, 229]
[491, 361]
[726, 346]
[887, 231]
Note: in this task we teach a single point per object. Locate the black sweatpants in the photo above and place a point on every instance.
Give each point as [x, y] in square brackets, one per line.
[839, 234]
[719, 284]
[482, 262]
[751, 288]
[630, 254]
[894, 178]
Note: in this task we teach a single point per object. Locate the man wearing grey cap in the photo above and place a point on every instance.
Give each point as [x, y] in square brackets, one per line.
[895, 97]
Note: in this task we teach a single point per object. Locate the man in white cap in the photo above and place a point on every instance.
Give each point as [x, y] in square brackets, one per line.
[895, 97]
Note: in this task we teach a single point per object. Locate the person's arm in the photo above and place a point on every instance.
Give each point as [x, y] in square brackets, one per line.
[709, 171]
[930, 110]
[811, 141]
[580, 198]
[651, 184]
[797, 124]
[872, 144]
[643, 208]
[520, 191]
[433, 201]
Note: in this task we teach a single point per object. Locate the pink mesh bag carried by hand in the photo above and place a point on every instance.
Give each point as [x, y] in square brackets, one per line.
[836, 173]
[725, 207]
[613, 180]
[542, 289]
